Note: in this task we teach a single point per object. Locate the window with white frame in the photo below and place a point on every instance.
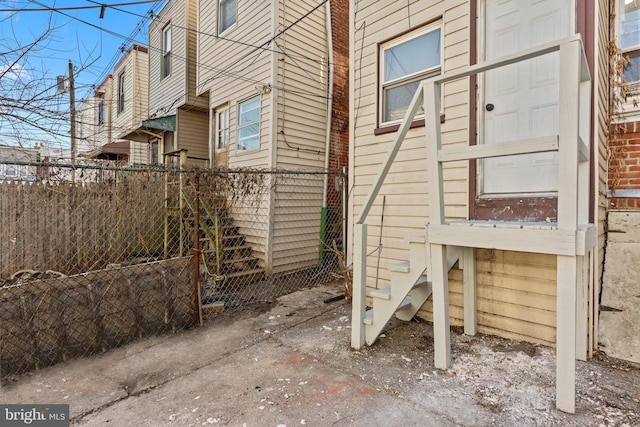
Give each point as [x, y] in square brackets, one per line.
[249, 124]
[629, 43]
[165, 68]
[227, 14]
[406, 61]
[121, 92]
[222, 127]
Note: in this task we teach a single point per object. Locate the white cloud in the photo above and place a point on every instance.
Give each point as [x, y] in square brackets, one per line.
[16, 71]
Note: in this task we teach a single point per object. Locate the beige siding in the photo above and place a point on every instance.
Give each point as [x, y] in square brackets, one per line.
[601, 135]
[296, 228]
[135, 66]
[139, 153]
[103, 132]
[178, 88]
[302, 82]
[192, 130]
[231, 71]
[406, 208]
[302, 100]
[191, 60]
[87, 123]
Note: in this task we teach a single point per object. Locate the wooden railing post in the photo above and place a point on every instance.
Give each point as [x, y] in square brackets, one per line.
[358, 303]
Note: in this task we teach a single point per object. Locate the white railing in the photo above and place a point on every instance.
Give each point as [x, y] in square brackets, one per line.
[428, 96]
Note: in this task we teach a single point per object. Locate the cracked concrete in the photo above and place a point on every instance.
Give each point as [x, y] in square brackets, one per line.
[291, 364]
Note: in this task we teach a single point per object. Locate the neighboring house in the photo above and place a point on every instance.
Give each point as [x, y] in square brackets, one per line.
[620, 305]
[177, 118]
[509, 287]
[11, 168]
[130, 94]
[117, 106]
[266, 73]
[95, 127]
[274, 74]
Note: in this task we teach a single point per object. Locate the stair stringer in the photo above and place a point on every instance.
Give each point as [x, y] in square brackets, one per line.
[420, 294]
[389, 300]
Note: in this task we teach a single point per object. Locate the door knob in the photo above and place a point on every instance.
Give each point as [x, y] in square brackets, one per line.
[489, 107]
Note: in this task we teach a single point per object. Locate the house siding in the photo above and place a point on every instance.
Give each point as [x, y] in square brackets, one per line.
[192, 130]
[601, 138]
[87, 118]
[135, 66]
[168, 93]
[516, 292]
[138, 153]
[301, 129]
[230, 71]
[102, 133]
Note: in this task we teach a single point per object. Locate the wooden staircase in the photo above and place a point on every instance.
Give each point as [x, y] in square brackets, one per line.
[227, 258]
[409, 289]
[571, 239]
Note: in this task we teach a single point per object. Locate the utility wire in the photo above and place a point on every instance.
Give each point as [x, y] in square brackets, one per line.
[45, 8]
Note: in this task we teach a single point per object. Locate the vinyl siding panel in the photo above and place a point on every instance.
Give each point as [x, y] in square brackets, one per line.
[302, 86]
[231, 71]
[102, 133]
[297, 222]
[601, 137]
[516, 291]
[87, 122]
[301, 129]
[192, 130]
[169, 93]
[139, 153]
[135, 66]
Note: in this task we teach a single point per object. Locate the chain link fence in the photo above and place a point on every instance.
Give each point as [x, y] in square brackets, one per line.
[96, 256]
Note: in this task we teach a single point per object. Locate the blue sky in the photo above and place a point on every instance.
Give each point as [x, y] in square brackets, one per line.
[91, 43]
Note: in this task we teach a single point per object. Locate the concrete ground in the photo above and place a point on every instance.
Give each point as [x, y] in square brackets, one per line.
[291, 364]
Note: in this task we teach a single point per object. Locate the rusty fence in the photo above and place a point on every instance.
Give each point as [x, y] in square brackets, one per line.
[96, 256]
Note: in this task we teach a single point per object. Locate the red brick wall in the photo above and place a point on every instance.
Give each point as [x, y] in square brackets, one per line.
[624, 163]
[339, 150]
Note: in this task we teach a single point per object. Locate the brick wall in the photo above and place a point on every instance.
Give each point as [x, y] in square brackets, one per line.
[624, 164]
[339, 149]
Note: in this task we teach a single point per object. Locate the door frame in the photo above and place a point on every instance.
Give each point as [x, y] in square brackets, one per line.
[521, 207]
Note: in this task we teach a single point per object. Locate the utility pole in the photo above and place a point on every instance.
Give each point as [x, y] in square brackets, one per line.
[72, 110]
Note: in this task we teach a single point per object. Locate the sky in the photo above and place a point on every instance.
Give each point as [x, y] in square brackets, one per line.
[77, 34]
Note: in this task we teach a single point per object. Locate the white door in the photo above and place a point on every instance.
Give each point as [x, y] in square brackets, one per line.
[521, 101]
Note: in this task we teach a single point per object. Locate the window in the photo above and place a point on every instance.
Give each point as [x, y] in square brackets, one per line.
[165, 68]
[629, 43]
[101, 112]
[227, 15]
[121, 92]
[153, 152]
[249, 124]
[404, 63]
[222, 127]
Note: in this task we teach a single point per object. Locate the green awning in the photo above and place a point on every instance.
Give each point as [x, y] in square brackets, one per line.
[167, 123]
[150, 127]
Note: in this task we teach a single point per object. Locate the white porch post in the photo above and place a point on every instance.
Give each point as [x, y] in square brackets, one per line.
[358, 302]
[567, 278]
[469, 283]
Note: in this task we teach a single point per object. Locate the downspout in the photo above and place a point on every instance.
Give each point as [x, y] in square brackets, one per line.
[327, 149]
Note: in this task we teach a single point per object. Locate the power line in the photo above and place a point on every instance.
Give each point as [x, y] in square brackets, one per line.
[44, 8]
